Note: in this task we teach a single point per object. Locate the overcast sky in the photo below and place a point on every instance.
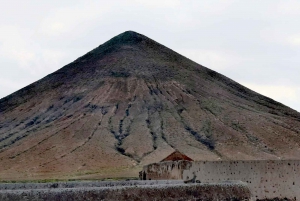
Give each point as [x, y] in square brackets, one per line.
[256, 43]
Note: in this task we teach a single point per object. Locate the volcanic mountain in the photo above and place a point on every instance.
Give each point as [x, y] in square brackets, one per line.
[130, 102]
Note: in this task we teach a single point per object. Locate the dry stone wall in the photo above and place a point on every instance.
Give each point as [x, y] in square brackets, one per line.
[266, 179]
[142, 192]
[84, 184]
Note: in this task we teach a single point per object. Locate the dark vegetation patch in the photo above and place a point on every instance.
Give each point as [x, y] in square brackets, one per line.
[207, 141]
[32, 122]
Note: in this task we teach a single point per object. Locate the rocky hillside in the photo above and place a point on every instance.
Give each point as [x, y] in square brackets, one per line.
[132, 101]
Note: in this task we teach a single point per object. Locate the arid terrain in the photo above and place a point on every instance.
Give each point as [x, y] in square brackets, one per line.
[130, 102]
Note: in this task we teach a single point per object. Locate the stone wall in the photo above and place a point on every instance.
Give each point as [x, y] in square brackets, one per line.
[165, 170]
[266, 179]
[84, 184]
[158, 191]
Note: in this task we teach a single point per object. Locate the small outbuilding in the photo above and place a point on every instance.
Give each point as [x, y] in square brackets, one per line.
[171, 167]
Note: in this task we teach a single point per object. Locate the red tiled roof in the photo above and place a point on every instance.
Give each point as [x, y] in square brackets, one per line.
[177, 156]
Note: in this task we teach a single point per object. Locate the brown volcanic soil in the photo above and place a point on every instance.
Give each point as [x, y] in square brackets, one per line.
[130, 102]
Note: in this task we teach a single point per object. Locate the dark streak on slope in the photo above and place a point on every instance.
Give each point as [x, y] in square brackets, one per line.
[153, 134]
[118, 137]
[33, 125]
[239, 128]
[90, 137]
[207, 141]
[122, 134]
[7, 137]
[158, 107]
[64, 155]
[57, 132]
[127, 110]
[162, 131]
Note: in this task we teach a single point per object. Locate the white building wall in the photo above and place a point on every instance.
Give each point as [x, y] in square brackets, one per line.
[266, 179]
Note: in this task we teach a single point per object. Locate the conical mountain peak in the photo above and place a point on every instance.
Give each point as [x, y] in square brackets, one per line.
[132, 101]
[127, 38]
[131, 54]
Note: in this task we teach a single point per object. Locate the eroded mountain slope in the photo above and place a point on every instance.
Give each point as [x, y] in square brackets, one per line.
[130, 102]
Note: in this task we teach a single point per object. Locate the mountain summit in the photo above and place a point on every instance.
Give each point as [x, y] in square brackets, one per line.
[130, 102]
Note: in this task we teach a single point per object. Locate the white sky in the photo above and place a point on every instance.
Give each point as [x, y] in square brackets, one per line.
[256, 43]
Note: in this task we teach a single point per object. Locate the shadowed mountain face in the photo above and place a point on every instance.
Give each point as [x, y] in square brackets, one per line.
[130, 102]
